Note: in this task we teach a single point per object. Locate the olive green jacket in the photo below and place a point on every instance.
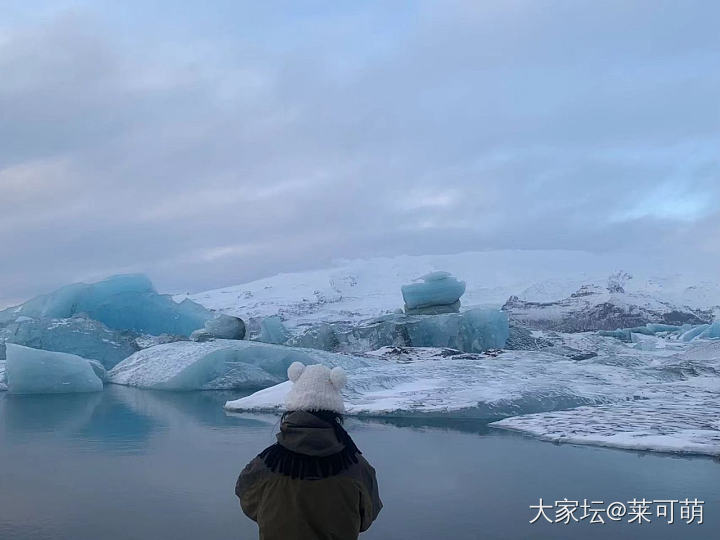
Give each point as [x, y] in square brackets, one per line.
[334, 508]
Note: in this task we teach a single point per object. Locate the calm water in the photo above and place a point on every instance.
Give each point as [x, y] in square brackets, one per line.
[131, 464]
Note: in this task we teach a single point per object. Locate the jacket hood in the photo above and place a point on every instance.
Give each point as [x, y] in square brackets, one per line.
[304, 433]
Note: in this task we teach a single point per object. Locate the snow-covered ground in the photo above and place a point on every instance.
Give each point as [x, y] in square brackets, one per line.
[365, 288]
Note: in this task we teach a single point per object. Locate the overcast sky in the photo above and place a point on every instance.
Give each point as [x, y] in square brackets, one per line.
[211, 143]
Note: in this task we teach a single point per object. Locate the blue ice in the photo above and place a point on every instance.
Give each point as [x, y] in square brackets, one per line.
[76, 335]
[685, 332]
[124, 302]
[225, 327]
[272, 330]
[33, 371]
[435, 289]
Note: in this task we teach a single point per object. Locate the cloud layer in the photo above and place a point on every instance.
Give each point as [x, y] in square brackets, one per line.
[209, 147]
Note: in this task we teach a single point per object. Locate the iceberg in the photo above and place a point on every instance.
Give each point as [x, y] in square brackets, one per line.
[702, 331]
[124, 302]
[408, 382]
[218, 365]
[226, 327]
[686, 332]
[76, 335]
[438, 292]
[221, 326]
[475, 330]
[3, 383]
[33, 371]
[272, 330]
[666, 401]
[98, 369]
[679, 422]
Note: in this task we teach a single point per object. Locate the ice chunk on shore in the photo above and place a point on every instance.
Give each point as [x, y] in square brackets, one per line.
[436, 289]
[76, 335]
[272, 330]
[33, 371]
[125, 302]
[218, 365]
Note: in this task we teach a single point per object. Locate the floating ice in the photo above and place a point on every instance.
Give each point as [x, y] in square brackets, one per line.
[665, 400]
[678, 413]
[475, 330]
[272, 330]
[32, 371]
[226, 327]
[98, 369]
[436, 289]
[3, 385]
[125, 302]
[217, 365]
[221, 326]
[685, 332]
[661, 425]
[703, 331]
[411, 382]
[76, 335]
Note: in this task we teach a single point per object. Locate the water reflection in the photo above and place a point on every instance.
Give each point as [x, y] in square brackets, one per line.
[129, 463]
[120, 418]
[20, 414]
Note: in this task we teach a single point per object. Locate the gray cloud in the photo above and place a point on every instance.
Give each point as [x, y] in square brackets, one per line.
[206, 152]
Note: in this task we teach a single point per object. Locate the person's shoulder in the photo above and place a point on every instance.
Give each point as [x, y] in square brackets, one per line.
[257, 464]
[253, 472]
[364, 463]
[361, 471]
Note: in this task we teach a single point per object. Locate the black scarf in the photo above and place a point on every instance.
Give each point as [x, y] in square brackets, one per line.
[279, 459]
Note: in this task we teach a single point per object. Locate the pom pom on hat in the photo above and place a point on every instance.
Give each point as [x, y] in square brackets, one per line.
[315, 388]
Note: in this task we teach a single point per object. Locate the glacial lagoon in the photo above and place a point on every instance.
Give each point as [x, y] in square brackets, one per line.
[138, 464]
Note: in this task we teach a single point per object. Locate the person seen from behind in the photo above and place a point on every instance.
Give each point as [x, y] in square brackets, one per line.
[314, 483]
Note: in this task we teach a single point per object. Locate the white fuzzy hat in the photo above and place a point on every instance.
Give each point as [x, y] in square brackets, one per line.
[315, 388]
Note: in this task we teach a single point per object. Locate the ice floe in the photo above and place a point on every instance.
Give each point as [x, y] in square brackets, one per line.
[33, 371]
[667, 399]
[75, 335]
[218, 365]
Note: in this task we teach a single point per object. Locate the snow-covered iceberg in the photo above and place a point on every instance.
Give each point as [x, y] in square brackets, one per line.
[218, 365]
[445, 382]
[124, 302]
[75, 335]
[667, 399]
[675, 414]
[33, 371]
[436, 292]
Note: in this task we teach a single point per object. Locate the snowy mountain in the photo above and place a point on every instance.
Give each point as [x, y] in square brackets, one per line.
[595, 308]
[548, 286]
